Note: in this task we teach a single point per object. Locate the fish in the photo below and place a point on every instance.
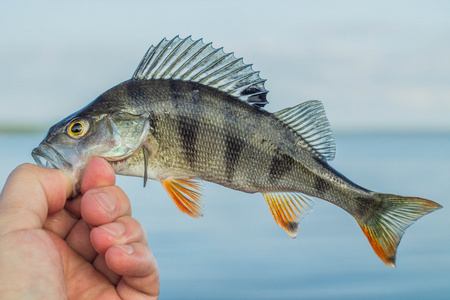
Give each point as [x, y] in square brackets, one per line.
[193, 113]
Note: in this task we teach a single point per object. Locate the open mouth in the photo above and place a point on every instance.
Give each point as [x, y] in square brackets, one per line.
[46, 156]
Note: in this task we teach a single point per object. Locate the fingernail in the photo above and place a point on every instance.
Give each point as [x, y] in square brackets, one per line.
[115, 229]
[106, 201]
[126, 248]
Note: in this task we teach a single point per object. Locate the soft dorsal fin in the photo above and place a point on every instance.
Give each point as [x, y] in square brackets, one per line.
[288, 209]
[195, 61]
[308, 119]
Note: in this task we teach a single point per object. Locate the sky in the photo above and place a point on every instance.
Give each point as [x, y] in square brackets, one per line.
[375, 66]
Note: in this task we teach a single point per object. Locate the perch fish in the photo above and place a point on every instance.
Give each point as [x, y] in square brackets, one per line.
[192, 112]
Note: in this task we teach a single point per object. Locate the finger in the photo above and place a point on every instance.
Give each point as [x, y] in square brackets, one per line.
[101, 266]
[139, 269]
[81, 279]
[30, 194]
[124, 230]
[78, 239]
[103, 205]
[98, 173]
[74, 206]
[60, 223]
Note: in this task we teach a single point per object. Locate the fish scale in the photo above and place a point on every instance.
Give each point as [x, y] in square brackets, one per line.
[192, 112]
[185, 122]
[205, 140]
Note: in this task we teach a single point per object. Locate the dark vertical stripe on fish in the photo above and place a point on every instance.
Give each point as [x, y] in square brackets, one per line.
[174, 89]
[280, 165]
[233, 150]
[320, 184]
[153, 121]
[132, 90]
[188, 130]
[327, 167]
[196, 95]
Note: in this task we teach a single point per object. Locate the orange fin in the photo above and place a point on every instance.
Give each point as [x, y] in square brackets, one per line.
[385, 226]
[288, 209]
[185, 193]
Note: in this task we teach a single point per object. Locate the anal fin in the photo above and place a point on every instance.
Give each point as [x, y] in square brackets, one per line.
[288, 209]
[186, 194]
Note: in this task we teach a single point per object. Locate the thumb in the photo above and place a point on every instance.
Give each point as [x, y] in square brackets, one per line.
[30, 194]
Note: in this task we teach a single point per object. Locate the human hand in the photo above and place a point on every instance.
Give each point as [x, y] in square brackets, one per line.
[86, 248]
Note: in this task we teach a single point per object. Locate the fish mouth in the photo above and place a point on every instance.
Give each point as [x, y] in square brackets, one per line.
[46, 156]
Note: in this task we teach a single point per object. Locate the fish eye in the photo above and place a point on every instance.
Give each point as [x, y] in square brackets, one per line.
[77, 128]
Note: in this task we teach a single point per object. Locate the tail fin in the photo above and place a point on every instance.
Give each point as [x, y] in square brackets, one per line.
[385, 226]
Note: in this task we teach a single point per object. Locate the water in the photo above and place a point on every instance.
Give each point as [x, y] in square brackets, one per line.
[238, 252]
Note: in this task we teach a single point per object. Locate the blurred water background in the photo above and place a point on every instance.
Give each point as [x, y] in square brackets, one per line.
[236, 251]
[382, 71]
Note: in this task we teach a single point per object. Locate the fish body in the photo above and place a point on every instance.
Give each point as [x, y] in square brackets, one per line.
[212, 136]
[192, 112]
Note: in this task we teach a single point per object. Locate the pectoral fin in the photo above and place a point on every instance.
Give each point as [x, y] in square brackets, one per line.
[186, 194]
[288, 209]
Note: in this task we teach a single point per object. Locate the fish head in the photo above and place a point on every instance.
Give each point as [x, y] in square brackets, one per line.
[71, 143]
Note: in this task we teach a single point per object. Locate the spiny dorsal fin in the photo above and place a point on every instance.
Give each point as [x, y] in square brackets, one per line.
[185, 193]
[288, 209]
[308, 119]
[195, 61]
